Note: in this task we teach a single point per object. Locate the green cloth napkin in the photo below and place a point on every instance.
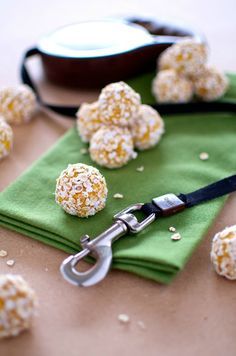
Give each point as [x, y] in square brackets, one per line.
[28, 207]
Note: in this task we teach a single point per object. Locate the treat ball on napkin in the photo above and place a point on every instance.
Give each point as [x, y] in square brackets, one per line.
[211, 85]
[112, 147]
[88, 120]
[81, 190]
[17, 305]
[17, 103]
[187, 57]
[6, 138]
[118, 103]
[170, 87]
[223, 252]
[147, 128]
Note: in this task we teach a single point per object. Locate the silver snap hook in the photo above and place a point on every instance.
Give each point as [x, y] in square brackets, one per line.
[103, 256]
[100, 248]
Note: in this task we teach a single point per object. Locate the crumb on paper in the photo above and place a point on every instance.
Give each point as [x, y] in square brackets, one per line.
[3, 253]
[204, 156]
[118, 196]
[172, 229]
[141, 324]
[140, 169]
[83, 151]
[176, 236]
[10, 263]
[124, 318]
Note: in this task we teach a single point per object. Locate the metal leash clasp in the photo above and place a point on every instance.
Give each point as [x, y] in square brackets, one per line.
[100, 248]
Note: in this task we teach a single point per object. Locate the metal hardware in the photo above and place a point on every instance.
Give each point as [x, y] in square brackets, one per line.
[129, 219]
[169, 204]
[100, 248]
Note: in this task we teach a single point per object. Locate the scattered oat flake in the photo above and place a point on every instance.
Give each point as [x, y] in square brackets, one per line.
[123, 318]
[172, 229]
[204, 156]
[140, 169]
[10, 263]
[176, 237]
[3, 253]
[83, 151]
[118, 196]
[141, 324]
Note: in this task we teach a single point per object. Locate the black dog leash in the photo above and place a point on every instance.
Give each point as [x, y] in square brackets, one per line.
[70, 111]
[168, 205]
[127, 223]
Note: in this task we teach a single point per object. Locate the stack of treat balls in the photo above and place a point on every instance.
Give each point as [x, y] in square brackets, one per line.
[183, 72]
[116, 124]
[17, 105]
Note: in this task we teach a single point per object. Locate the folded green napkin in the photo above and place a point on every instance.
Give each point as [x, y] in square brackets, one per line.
[28, 207]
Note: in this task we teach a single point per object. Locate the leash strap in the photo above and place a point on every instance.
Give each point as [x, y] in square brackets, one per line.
[70, 111]
[170, 204]
[67, 111]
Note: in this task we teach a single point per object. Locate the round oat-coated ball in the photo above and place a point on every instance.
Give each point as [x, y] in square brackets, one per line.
[17, 305]
[187, 57]
[6, 138]
[211, 85]
[118, 104]
[223, 252]
[112, 147]
[169, 87]
[88, 120]
[17, 104]
[147, 128]
[81, 190]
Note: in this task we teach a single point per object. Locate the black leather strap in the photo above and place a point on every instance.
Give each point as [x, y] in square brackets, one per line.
[70, 111]
[212, 191]
[26, 79]
[24, 74]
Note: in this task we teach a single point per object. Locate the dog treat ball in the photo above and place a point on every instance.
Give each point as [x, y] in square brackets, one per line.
[147, 128]
[81, 190]
[187, 57]
[223, 252]
[88, 120]
[169, 87]
[112, 147]
[118, 103]
[6, 138]
[17, 104]
[17, 305]
[211, 85]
